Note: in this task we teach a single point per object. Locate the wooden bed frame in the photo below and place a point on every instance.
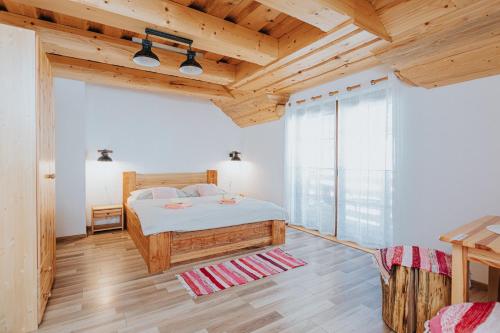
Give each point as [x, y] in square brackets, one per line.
[162, 250]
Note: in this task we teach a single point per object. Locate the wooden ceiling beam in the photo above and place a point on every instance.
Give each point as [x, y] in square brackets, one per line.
[99, 73]
[252, 109]
[294, 45]
[329, 53]
[359, 52]
[76, 43]
[208, 32]
[336, 74]
[327, 14]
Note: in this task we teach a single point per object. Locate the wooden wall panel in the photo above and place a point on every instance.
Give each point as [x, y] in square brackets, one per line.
[18, 211]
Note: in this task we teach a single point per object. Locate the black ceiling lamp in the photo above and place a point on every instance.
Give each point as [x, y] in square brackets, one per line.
[235, 156]
[105, 155]
[190, 66]
[146, 57]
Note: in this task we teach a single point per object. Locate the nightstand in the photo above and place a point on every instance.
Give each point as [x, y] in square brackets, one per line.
[106, 212]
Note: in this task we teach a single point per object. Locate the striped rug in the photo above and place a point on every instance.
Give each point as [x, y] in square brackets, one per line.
[210, 279]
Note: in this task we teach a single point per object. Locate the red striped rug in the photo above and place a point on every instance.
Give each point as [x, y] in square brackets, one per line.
[210, 279]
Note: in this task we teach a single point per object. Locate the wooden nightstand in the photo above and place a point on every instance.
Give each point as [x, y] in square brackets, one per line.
[104, 212]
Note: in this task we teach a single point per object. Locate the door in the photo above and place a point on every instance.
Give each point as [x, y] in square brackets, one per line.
[46, 183]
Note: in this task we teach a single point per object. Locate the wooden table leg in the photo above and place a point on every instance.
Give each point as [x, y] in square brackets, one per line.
[460, 275]
[493, 284]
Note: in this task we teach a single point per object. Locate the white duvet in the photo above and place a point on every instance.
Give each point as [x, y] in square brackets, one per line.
[205, 213]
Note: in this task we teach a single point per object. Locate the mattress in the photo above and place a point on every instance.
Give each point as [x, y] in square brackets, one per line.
[205, 213]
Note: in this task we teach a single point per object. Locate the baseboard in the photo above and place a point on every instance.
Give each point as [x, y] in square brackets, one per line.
[332, 238]
[70, 238]
[479, 285]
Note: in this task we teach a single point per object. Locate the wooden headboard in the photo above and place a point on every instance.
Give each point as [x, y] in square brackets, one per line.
[135, 181]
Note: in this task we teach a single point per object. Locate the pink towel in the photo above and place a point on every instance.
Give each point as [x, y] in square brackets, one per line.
[414, 257]
[177, 205]
[466, 318]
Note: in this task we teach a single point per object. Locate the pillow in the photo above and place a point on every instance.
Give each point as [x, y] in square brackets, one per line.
[147, 193]
[143, 194]
[164, 193]
[196, 190]
[206, 190]
[191, 190]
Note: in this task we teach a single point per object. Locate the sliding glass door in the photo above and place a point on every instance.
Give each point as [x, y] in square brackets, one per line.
[311, 166]
[365, 169]
[340, 167]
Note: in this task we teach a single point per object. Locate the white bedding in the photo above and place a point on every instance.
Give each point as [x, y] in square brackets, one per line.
[205, 213]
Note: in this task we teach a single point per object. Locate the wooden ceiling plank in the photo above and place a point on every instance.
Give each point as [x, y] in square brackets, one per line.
[253, 108]
[20, 9]
[221, 8]
[327, 14]
[71, 21]
[473, 64]
[296, 44]
[354, 55]
[240, 11]
[336, 74]
[99, 73]
[327, 53]
[457, 38]
[259, 18]
[208, 32]
[92, 46]
[405, 18]
[282, 26]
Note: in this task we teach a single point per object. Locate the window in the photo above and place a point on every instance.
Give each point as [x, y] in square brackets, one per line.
[342, 186]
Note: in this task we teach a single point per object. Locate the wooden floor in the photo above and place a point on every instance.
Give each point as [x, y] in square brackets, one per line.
[102, 285]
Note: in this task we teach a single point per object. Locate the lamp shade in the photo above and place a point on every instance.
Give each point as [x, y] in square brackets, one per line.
[105, 155]
[146, 57]
[190, 66]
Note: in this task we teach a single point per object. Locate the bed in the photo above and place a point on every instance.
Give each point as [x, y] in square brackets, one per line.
[161, 250]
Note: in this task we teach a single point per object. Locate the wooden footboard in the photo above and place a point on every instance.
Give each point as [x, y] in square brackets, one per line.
[162, 250]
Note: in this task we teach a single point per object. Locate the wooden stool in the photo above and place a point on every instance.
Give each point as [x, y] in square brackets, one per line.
[413, 296]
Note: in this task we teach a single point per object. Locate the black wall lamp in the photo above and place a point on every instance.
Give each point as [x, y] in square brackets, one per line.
[105, 155]
[146, 57]
[235, 155]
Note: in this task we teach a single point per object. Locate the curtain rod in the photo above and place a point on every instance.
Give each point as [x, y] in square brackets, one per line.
[335, 92]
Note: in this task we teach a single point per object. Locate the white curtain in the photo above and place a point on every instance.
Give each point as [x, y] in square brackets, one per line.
[311, 168]
[365, 159]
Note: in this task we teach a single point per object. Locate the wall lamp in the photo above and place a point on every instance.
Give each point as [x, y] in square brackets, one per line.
[105, 155]
[235, 155]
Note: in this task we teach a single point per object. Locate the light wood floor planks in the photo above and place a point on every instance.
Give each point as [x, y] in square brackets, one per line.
[102, 285]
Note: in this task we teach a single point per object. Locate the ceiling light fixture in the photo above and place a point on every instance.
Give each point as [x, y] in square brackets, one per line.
[190, 66]
[146, 57]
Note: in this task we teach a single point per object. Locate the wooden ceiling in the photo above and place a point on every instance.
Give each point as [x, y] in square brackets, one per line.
[256, 53]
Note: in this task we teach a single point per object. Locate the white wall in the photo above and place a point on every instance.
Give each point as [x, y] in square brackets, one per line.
[70, 157]
[147, 132]
[448, 159]
[263, 147]
[152, 133]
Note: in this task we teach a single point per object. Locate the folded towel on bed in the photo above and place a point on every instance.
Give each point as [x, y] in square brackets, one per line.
[414, 257]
